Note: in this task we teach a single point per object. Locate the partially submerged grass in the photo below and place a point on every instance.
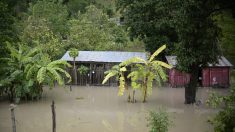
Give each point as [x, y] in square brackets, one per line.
[79, 98]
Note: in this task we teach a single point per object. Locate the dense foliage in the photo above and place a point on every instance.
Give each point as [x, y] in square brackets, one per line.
[94, 31]
[224, 121]
[226, 22]
[6, 27]
[27, 70]
[49, 28]
[150, 20]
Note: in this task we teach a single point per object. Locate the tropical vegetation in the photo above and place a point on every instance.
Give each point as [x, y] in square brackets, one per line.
[27, 70]
[143, 72]
[48, 29]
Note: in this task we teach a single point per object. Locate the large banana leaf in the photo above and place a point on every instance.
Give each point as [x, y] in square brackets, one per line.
[162, 64]
[157, 52]
[121, 85]
[133, 60]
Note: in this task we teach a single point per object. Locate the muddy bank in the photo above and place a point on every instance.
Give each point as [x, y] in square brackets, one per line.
[88, 109]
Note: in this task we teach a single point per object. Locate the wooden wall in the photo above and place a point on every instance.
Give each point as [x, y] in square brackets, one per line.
[216, 76]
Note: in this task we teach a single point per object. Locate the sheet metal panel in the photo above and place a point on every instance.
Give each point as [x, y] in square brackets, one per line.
[104, 56]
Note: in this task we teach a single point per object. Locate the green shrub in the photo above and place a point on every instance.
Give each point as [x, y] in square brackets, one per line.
[159, 121]
[224, 121]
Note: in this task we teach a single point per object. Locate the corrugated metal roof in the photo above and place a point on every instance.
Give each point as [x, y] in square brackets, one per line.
[222, 61]
[104, 56]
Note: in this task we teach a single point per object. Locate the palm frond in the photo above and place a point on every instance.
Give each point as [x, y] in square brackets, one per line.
[133, 60]
[121, 85]
[41, 74]
[32, 52]
[59, 63]
[162, 64]
[150, 78]
[27, 67]
[30, 71]
[134, 75]
[109, 75]
[157, 52]
[13, 51]
[160, 71]
[123, 69]
[16, 73]
[5, 59]
[26, 60]
[56, 75]
[65, 72]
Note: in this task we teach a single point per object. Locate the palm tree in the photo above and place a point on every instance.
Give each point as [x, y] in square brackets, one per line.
[74, 53]
[145, 71]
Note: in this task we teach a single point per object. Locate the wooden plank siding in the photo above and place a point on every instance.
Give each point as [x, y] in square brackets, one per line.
[94, 75]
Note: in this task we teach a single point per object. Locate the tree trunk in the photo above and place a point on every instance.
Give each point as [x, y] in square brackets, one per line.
[133, 97]
[74, 72]
[53, 116]
[128, 94]
[190, 89]
[145, 89]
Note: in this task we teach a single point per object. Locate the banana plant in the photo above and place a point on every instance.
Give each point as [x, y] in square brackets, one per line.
[118, 72]
[14, 82]
[145, 71]
[47, 71]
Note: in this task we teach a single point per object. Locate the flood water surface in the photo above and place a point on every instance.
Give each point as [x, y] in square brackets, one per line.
[99, 109]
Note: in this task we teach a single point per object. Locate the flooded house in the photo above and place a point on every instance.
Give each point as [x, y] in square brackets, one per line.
[96, 63]
[217, 75]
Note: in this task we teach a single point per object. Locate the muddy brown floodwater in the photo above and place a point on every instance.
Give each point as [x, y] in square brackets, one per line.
[99, 109]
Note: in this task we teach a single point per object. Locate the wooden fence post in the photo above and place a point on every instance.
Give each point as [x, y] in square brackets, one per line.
[53, 116]
[12, 107]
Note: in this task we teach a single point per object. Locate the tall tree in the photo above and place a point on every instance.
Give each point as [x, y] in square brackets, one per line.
[199, 40]
[74, 53]
[189, 23]
[150, 20]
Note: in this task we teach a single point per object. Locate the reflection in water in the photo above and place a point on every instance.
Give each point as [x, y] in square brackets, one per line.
[88, 109]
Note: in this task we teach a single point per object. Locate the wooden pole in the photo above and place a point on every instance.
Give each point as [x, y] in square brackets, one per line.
[70, 87]
[12, 107]
[53, 116]
[90, 74]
